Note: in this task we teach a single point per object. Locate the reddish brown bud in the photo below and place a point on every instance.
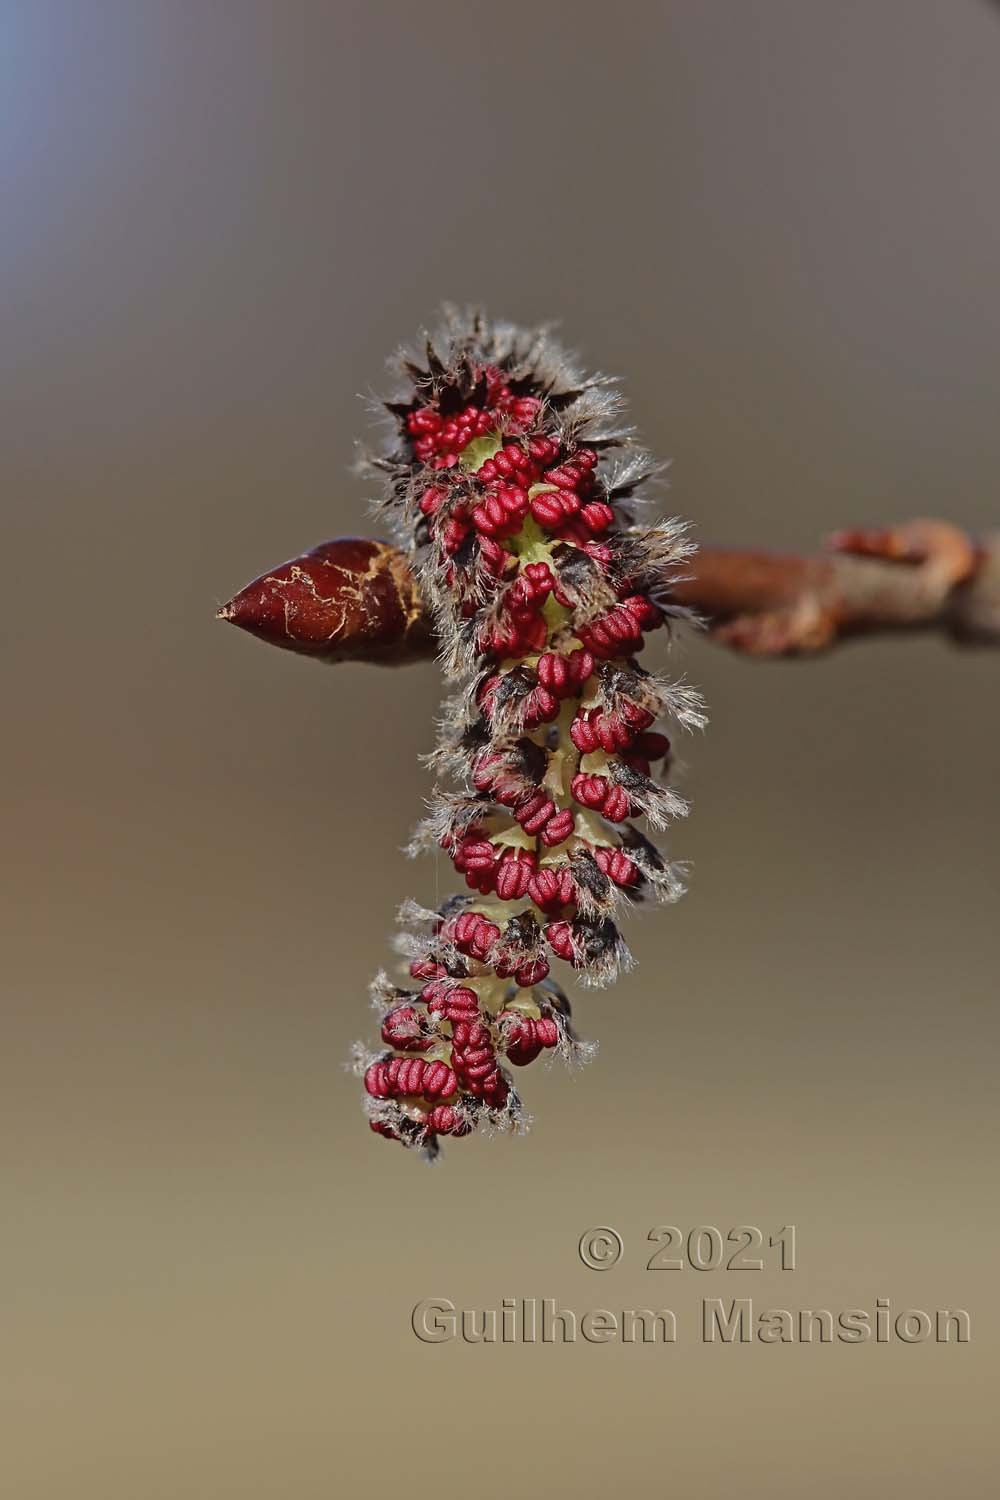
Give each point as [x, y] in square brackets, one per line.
[349, 599]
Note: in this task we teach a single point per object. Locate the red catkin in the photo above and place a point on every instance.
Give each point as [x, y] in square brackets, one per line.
[515, 505]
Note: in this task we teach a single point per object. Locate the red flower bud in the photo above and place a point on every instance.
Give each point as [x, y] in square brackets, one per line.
[345, 599]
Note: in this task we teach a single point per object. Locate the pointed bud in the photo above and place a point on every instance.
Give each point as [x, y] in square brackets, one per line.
[347, 600]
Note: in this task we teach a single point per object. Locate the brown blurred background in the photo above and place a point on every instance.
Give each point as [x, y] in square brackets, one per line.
[780, 221]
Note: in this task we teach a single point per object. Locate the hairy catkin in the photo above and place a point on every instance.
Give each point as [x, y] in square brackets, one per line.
[516, 489]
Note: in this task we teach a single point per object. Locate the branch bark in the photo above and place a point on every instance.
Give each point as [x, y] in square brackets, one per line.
[355, 599]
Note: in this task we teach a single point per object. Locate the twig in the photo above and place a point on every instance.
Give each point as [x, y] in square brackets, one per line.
[355, 599]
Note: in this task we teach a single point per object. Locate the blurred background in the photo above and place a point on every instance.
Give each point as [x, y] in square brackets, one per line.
[779, 221]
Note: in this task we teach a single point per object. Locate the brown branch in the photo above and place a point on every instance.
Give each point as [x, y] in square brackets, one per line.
[356, 600]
